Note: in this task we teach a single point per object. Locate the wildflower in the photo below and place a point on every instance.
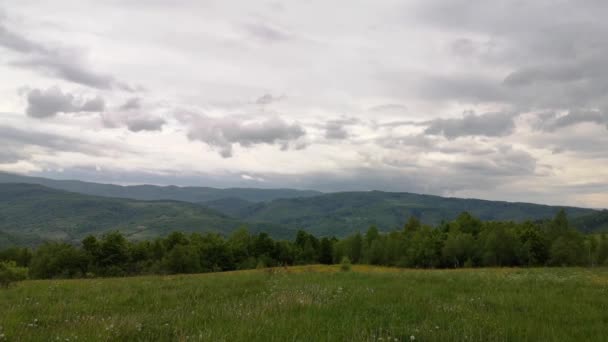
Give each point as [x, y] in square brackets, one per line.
[412, 338]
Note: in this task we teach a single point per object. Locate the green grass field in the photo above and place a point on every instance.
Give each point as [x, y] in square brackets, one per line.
[315, 303]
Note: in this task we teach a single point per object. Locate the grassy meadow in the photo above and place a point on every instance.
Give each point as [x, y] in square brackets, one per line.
[315, 303]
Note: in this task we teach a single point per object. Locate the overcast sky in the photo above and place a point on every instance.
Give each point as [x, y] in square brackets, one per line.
[488, 99]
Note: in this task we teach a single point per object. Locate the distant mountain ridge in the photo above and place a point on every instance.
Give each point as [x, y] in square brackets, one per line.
[155, 192]
[77, 212]
[337, 213]
[41, 213]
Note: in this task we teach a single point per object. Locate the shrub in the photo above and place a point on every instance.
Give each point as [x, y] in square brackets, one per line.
[345, 264]
[10, 272]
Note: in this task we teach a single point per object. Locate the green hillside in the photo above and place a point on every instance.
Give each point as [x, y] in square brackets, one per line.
[37, 211]
[344, 213]
[593, 222]
[153, 192]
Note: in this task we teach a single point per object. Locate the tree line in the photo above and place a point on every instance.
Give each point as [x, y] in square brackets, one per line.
[463, 242]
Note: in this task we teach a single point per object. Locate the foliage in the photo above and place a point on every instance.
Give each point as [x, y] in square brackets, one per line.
[464, 242]
[345, 264]
[10, 273]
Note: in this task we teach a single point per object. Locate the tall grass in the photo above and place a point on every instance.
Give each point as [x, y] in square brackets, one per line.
[315, 303]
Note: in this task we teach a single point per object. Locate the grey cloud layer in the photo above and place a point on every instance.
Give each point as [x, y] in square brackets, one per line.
[549, 55]
[488, 124]
[528, 77]
[46, 103]
[60, 62]
[551, 122]
[337, 129]
[15, 142]
[222, 133]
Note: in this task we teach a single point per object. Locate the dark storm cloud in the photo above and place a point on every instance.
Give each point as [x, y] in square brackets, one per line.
[46, 103]
[56, 61]
[488, 124]
[222, 133]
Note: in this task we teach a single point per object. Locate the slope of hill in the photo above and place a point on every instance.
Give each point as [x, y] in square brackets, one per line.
[153, 192]
[593, 222]
[34, 210]
[9, 240]
[347, 212]
[229, 206]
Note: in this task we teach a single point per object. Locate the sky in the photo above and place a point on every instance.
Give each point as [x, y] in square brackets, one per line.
[500, 100]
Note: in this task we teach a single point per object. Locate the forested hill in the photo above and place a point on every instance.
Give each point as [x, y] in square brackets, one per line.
[30, 212]
[343, 213]
[154, 192]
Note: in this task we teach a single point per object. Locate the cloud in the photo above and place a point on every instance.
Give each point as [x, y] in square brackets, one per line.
[550, 122]
[132, 103]
[143, 123]
[267, 32]
[46, 103]
[541, 56]
[268, 99]
[10, 153]
[96, 104]
[389, 108]
[336, 129]
[463, 47]
[134, 121]
[64, 63]
[488, 124]
[16, 140]
[223, 133]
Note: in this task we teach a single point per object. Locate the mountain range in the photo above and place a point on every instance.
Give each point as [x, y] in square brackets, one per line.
[154, 192]
[33, 209]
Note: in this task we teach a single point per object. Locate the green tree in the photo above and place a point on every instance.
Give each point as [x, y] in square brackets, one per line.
[567, 250]
[326, 251]
[113, 254]
[10, 272]
[356, 248]
[499, 246]
[412, 225]
[183, 259]
[458, 248]
[58, 260]
[602, 250]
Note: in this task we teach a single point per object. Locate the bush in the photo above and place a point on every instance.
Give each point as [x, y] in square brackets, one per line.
[10, 272]
[345, 264]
